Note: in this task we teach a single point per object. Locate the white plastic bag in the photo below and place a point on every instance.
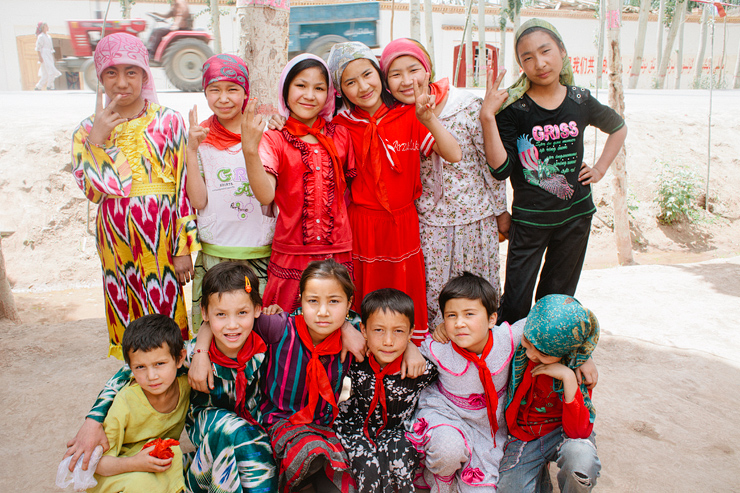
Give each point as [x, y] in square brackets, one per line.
[82, 479]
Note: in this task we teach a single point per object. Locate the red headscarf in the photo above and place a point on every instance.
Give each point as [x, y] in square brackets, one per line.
[317, 379]
[228, 68]
[379, 394]
[372, 130]
[253, 345]
[489, 389]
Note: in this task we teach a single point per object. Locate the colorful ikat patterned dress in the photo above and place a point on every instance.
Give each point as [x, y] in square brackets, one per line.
[232, 455]
[383, 460]
[144, 216]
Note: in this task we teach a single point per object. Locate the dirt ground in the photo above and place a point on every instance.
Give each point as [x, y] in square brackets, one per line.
[669, 357]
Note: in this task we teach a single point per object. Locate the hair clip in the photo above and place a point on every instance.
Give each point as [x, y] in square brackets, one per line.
[247, 285]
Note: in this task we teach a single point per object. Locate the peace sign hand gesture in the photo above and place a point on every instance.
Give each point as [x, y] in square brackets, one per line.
[252, 126]
[495, 97]
[425, 103]
[106, 119]
[196, 133]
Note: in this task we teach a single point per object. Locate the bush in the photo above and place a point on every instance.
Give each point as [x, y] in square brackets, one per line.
[678, 187]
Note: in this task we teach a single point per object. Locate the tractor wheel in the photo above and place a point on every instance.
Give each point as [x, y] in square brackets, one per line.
[183, 62]
[89, 74]
[322, 46]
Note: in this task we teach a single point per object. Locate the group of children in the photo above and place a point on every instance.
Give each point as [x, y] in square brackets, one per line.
[376, 208]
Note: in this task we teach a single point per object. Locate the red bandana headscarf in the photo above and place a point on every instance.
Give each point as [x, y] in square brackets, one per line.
[253, 345]
[374, 139]
[489, 389]
[229, 68]
[299, 129]
[379, 394]
[316, 377]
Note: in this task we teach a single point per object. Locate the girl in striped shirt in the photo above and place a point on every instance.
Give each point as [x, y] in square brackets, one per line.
[302, 378]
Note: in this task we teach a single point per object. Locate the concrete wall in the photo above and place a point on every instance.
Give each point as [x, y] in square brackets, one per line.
[579, 29]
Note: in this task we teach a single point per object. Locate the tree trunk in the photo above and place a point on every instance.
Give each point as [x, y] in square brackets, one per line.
[600, 50]
[517, 22]
[502, 51]
[415, 19]
[668, 48]
[126, 9]
[7, 304]
[661, 29]
[429, 29]
[393, 16]
[482, 49]
[469, 66]
[679, 54]
[642, 22]
[699, 63]
[263, 44]
[616, 101]
[736, 80]
[216, 25]
[720, 79]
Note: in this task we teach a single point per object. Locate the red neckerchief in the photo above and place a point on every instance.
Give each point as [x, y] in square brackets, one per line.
[440, 89]
[219, 136]
[379, 394]
[374, 143]
[299, 129]
[316, 376]
[484, 374]
[253, 345]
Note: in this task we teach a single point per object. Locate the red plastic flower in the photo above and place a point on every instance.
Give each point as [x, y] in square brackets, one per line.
[162, 448]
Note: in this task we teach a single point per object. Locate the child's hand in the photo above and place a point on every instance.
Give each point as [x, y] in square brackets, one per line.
[252, 126]
[276, 122]
[196, 133]
[559, 371]
[494, 97]
[272, 310]
[413, 364]
[183, 268]
[425, 103]
[352, 342]
[200, 374]
[146, 463]
[588, 373]
[440, 334]
[503, 222]
[106, 119]
[589, 175]
[90, 435]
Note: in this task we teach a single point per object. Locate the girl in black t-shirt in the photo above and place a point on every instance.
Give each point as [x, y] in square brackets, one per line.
[540, 122]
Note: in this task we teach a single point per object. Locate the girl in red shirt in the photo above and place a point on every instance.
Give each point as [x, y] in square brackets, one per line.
[549, 410]
[388, 139]
[305, 169]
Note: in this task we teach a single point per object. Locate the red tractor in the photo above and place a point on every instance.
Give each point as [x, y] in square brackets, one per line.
[181, 53]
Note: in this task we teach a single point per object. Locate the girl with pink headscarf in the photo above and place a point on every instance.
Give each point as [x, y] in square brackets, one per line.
[305, 169]
[129, 158]
[462, 208]
[231, 223]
